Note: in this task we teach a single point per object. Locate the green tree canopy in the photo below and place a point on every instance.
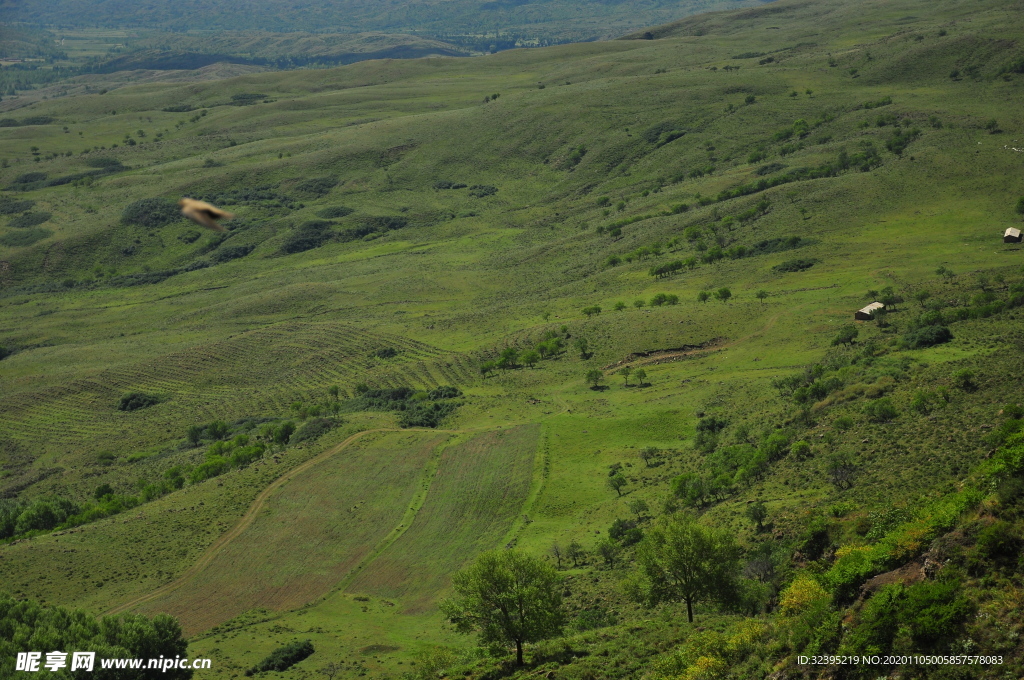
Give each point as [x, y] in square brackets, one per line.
[31, 627]
[507, 597]
[681, 560]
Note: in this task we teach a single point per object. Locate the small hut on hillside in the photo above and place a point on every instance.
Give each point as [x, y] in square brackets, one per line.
[868, 313]
[1011, 235]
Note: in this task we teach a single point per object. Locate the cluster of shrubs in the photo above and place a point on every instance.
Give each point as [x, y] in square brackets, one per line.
[316, 186]
[246, 99]
[38, 180]
[10, 206]
[20, 518]
[308, 236]
[662, 133]
[31, 120]
[416, 408]
[262, 196]
[726, 467]
[222, 456]
[334, 212]
[133, 401]
[797, 265]
[122, 636]
[29, 219]
[482, 190]
[24, 237]
[151, 213]
[229, 253]
[865, 160]
[283, 658]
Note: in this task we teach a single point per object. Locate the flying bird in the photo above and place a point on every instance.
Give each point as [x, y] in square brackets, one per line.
[203, 213]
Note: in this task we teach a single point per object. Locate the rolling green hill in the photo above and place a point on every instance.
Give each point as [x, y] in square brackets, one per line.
[237, 428]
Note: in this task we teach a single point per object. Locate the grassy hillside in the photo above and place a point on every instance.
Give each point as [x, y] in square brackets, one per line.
[709, 206]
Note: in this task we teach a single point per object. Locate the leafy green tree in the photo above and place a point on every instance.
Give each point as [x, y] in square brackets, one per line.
[334, 390]
[583, 346]
[1020, 206]
[703, 296]
[42, 629]
[218, 429]
[592, 310]
[647, 454]
[102, 490]
[723, 294]
[641, 375]
[283, 432]
[846, 335]
[681, 560]
[922, 296]
[638, 507]
[619, 306]
[508, 358]
[757, 513]
[574, 551]
[530, 357]
[194, 434]
[964, 380]
[508, 597]
[594, 377]
[624, 372]
[639, 303]
[487, 367]
[616, 482]
[609, 551]
[761, 295]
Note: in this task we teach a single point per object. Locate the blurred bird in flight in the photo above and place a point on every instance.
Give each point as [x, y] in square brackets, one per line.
[203, 213]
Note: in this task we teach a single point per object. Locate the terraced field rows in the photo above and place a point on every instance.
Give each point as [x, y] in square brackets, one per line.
[253, 374]
[479, 490]
[309, 534]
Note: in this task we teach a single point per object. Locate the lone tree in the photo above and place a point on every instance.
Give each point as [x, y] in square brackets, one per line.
[761, 295]
[616, 482]
[507, 597]
[331, 669]
[638, 507]
[195, 434]
[557, 553]
[574, 551]
[703, 296]
[723, 294]
[846, 335]
[594, 377]
[624, 372]
[648, 454]
[584, 347]
[641, 375]
[681, 560]
[333, 390]
[757, 513]
[608, 551]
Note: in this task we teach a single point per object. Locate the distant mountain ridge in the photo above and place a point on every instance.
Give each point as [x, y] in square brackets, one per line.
[547, 20]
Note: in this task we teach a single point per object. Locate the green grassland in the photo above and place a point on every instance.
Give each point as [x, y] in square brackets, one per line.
[591, 150]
